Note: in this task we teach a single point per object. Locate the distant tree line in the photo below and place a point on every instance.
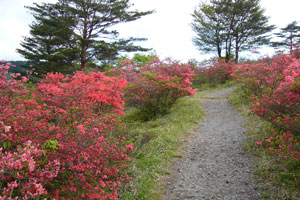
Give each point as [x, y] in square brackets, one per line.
[289, 38]
[19, 66]
[227, 27]
[77, 34]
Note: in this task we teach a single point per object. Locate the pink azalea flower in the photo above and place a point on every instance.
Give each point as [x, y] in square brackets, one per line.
[7, 129]
[268, 140]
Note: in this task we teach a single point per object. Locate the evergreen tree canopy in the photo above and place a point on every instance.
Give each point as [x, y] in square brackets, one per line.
[74, 34]
[224, 25]
[52, 46]
[290, 37]
[208, 26]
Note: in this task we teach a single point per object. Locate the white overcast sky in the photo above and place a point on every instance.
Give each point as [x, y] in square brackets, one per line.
[168, 30]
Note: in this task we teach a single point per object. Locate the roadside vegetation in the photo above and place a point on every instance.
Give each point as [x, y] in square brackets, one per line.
[156, 144]
[157, 141]
[132, 147]
[277, 177]
[103, 126]
[269, 99]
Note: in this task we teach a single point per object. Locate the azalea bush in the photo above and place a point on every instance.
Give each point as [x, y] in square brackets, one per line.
[22, 175]
[218, 72]
[55, 136]
[275, 90]
[154, 87]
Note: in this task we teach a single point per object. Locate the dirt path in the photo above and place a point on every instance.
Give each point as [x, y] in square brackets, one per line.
[214, 165]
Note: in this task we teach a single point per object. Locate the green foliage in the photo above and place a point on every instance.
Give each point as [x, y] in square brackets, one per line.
[6, 145]
[278, 177]
[224, 25]
[74, 34]
[209, 29]
[149, 75]
[155, 87]
[20, 67]
[156, 144]
[52, 34]
[228, 57]
[153, 109]
[50, 145]
[139, 59]
[290, 37]
[142, 59]
[218, 72]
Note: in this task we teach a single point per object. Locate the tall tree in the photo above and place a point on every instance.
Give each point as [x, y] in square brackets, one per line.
[250, 25]
[213, 32]
[290, 37]
[209, 29]
[243, 23]
[52, 41]
[82, 32]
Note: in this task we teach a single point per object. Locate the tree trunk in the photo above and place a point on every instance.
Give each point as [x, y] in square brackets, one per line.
[83, 57]
[83, 46]
[291, 44]
[236, 60]
[226, 50]
[219, 52]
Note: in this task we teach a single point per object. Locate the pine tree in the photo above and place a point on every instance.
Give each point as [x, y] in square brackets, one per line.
[241, 25]
[209, 29]
[51, 45]
[250, 25]
[290, 36]
[73, 34]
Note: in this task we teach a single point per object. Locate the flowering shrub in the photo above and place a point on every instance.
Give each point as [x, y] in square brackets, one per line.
[257, 76]
[275, 90]
[282, 143]
[217, 73]
[68, 121]
[276, 97]
[155, 87]
[21, 173]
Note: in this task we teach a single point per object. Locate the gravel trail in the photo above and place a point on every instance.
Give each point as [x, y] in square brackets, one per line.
[214, 165]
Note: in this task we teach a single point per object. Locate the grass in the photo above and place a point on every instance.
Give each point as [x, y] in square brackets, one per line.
[158, 142]
[207, 88]
[279, 177]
